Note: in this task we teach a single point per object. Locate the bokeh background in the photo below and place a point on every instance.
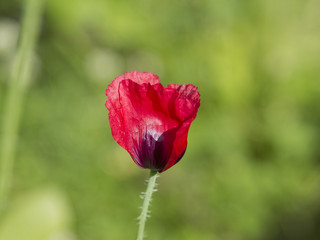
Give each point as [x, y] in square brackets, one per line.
[251, 170]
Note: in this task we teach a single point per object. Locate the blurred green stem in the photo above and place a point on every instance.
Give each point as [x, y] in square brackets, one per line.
[21, 74]
[147, 196]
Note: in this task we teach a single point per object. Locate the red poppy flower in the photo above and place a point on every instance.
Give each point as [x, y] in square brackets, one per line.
[150, 121]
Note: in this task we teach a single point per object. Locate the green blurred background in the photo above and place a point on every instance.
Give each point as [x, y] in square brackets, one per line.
[251, 170]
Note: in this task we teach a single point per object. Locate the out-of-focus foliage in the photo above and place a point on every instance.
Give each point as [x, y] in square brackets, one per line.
[43, 214]
[251, 170]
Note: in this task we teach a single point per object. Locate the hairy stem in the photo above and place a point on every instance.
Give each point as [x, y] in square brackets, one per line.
[17, 85]
[147, 196]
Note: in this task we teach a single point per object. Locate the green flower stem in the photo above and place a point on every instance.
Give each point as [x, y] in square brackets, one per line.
[21, 74]
[147, 196]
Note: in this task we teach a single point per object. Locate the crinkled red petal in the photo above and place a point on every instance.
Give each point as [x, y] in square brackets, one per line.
[113, 102]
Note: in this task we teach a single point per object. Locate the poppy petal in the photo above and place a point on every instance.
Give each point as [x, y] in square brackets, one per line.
[186, 107]
[113, 103]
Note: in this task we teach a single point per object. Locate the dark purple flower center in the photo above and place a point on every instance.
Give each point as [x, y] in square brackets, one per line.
[155, 149]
